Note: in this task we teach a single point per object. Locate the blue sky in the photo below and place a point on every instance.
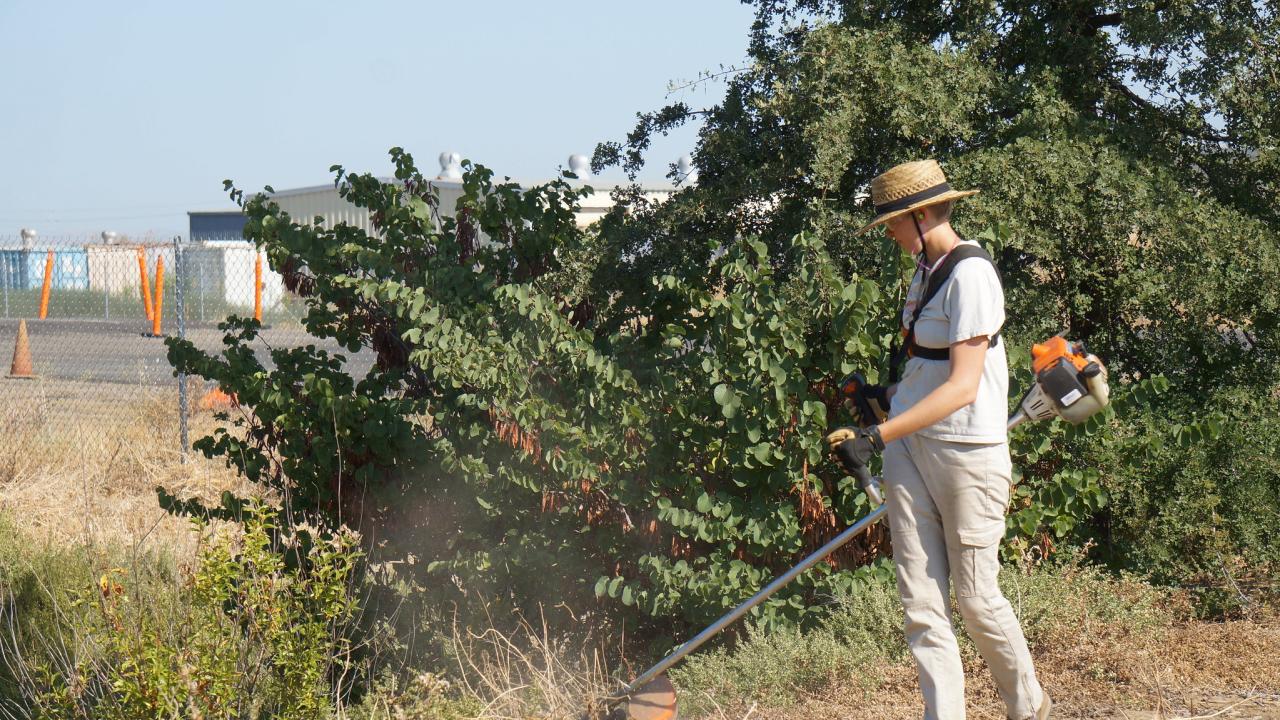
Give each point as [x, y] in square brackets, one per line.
[123, 116]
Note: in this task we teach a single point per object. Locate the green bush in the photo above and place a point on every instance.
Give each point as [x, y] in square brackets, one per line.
[258, 629]
[673, 465]
[41, 585]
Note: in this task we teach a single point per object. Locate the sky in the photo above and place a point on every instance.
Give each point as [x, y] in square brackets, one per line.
[124, 116]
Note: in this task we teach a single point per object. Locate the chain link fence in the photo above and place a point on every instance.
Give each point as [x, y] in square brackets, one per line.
[95, 316]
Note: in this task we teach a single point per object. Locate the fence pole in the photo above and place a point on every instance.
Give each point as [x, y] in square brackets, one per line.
[203, 261]
[180, 271]
[48, 284]
[4, 264]
[146, 282]
[257, 286]
[158, 308]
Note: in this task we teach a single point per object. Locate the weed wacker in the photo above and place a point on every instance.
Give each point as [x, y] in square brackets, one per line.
[1068, 383]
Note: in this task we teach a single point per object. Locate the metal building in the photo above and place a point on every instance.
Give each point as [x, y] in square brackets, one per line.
[305, 204]
[215, 224]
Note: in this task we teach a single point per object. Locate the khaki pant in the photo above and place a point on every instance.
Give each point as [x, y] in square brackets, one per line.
[947, 503]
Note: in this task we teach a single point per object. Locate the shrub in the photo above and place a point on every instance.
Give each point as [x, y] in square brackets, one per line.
[673, 464]
[41, 584]
[257, 629]
[669, 458]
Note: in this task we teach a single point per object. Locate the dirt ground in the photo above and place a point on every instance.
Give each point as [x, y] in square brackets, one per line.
[1205, 670]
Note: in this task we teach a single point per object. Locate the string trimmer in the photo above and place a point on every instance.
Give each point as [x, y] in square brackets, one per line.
[1068, 383]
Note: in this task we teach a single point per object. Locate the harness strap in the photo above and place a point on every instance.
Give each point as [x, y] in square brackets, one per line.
[908, 347]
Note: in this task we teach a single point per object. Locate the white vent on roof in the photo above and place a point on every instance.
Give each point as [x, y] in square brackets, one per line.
[28, 238]
[580, 165]
[109, 238]
[685, 171]
[450, 166]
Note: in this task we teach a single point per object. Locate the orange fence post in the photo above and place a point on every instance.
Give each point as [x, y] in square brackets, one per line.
[257, 288]
[48, 283]
[146, 283]
[155, 320]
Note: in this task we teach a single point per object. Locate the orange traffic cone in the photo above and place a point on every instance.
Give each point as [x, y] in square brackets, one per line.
[217, 399]
[21, 367]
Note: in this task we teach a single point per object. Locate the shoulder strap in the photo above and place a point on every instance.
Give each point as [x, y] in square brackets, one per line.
[938, 277]
[934, 283]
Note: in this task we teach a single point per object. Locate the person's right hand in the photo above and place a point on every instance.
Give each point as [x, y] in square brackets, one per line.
[870, 400]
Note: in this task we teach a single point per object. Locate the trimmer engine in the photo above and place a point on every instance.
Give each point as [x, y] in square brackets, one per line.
[1069, 383]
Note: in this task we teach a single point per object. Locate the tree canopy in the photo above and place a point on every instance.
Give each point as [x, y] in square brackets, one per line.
[1127, 153]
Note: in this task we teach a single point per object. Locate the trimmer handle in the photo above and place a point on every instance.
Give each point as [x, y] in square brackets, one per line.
[851, 386]
[844, 451]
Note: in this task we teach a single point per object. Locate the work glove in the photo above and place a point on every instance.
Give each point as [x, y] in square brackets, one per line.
[854, 447]
[868, 404]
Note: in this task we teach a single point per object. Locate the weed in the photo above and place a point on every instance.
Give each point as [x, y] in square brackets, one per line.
[258, 628]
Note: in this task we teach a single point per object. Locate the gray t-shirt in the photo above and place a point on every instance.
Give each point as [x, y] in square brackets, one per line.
[969, 304]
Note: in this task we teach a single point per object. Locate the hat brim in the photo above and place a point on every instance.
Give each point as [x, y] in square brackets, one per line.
[936, 199]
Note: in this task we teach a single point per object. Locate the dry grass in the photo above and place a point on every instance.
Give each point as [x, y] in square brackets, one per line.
[1188, 669]
[534, 672]
[1192, 670]
[80, 462]
[1103, 650]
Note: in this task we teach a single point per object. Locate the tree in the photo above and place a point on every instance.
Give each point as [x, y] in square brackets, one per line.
[1127, 156]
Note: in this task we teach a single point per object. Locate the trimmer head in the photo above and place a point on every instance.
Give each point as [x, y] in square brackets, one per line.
[656, 700]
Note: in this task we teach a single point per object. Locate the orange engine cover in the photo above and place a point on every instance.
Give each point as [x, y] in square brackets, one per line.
[1045, 354]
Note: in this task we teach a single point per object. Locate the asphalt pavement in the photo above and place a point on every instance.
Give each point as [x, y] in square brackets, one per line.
[117, 352]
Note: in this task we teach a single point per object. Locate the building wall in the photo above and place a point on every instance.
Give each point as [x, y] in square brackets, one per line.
[113, 269]
[304, 204]
[216, 224]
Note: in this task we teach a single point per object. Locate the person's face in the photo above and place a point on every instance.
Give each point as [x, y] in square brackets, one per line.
[903, 232]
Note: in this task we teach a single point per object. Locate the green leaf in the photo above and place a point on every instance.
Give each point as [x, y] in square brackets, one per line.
[722, 394]
[704, 503]
[762, 453]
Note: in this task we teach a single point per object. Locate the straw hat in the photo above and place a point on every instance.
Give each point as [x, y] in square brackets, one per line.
[908, 186]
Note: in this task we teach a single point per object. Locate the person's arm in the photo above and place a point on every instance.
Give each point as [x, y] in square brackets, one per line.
[960, 389]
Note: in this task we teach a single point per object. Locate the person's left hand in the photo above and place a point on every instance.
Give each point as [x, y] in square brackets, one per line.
[859, 445]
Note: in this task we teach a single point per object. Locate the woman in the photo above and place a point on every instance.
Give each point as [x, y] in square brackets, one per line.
[942, 430]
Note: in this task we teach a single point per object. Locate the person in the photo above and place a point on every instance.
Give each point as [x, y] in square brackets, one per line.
[943, 432]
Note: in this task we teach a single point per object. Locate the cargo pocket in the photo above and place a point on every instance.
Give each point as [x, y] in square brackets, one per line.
[981, 531]
[979, 565]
